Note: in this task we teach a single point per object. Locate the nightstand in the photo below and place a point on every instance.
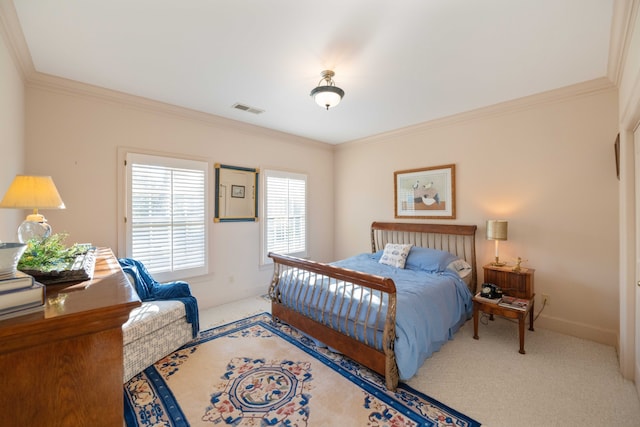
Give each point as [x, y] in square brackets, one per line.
[518, 284]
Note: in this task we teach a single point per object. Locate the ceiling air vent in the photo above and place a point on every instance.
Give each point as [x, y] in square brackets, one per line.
[247, 108]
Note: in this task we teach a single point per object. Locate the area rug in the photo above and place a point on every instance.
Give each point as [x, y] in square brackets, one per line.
[258, 372]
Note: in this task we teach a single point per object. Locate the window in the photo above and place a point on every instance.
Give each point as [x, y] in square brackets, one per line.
[285, 216]
[166, 226]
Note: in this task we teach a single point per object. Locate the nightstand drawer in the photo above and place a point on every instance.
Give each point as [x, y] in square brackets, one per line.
[517, 284]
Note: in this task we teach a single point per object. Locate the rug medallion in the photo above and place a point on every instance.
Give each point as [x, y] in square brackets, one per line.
[257, 372]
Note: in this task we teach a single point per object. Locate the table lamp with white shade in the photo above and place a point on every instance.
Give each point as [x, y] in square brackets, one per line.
[32, 192]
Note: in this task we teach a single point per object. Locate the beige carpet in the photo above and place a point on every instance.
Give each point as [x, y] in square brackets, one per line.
[561, 381]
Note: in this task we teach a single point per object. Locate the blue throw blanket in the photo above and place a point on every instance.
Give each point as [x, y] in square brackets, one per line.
[150, 290]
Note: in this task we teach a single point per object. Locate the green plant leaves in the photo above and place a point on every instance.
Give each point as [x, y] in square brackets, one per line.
[49, 254]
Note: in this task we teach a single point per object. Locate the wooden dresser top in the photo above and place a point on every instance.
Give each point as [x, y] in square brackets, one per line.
[75, 308]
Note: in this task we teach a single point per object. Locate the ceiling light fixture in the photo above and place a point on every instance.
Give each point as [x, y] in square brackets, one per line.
[328, 95]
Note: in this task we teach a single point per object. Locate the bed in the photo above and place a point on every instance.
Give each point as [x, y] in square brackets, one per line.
[387, 318]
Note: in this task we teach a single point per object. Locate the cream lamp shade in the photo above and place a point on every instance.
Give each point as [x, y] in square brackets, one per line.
[497, 230]
[32, 192]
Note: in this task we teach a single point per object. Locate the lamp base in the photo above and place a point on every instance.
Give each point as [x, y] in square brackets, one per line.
[33, 230]
[498, 263]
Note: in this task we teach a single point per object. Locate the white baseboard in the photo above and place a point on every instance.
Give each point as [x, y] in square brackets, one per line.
[580, 330]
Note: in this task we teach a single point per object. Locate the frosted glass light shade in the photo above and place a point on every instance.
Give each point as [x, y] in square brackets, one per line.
[327, 96]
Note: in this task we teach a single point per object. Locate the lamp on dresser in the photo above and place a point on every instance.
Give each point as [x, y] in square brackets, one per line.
[32, 192]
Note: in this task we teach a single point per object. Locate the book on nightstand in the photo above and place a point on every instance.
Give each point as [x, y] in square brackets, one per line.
[487, 300]
[514, 303]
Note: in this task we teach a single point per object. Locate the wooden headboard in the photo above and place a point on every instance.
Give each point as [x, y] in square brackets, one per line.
[460, 240]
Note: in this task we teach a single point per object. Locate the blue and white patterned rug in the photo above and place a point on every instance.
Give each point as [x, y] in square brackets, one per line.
[257, 372]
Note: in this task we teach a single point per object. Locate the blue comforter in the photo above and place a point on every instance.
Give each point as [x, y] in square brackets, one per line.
[431, 307]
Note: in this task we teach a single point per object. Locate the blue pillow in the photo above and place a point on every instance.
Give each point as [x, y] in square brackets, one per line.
[429, 260]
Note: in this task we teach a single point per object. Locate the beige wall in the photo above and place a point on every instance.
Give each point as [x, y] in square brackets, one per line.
[75, 138]
[544, 163]
[11, 135]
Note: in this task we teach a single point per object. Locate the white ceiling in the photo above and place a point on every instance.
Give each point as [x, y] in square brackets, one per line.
[400, 62]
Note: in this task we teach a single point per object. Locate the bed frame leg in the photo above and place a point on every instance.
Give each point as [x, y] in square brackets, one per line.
[391, 377]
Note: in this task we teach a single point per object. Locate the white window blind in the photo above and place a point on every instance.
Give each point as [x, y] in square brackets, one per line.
[166, 215]
[285, 224]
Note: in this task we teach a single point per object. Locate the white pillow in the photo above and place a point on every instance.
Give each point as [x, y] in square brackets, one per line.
[459, 265]
[395, 254]
[463, 268]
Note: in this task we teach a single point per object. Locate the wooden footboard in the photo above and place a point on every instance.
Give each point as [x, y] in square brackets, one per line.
[317, 294]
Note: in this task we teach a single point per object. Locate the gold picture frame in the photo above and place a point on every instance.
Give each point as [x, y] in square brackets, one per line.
[425, 193]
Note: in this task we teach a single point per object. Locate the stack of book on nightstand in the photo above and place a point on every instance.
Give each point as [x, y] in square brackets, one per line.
[20, 294]
[515, 303]
[487, 300]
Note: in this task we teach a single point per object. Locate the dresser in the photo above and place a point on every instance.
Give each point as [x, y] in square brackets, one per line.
[63, 366]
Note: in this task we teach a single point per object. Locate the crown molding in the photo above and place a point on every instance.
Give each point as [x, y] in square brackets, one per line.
[69, 87]
[16, 44]
[588, 88]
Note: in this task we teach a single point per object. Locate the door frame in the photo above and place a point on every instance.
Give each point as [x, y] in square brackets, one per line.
[629, 232]
[627, 78]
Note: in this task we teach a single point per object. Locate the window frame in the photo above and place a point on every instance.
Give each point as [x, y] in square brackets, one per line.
[129, 157]
[264, 250]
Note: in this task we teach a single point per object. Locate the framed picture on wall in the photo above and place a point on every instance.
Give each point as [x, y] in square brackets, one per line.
[237, 191]
[428, 193]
